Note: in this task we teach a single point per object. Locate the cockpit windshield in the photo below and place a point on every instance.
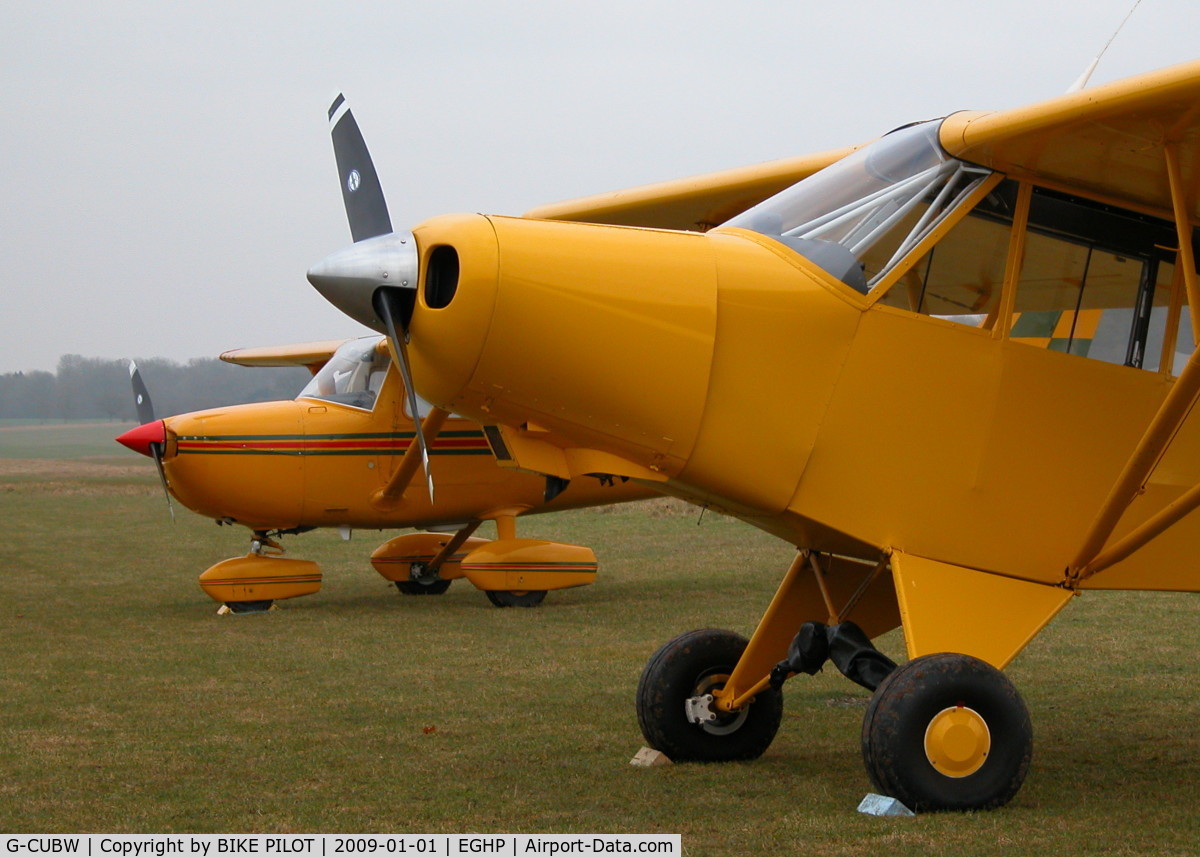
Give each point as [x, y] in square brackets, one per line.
[353, 376]
[860, 216]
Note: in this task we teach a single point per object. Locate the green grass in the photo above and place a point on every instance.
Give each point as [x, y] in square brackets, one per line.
[61, 440]
[129, 706]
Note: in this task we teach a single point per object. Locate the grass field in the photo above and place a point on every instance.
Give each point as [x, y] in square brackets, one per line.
[129, 706]
[69, 440]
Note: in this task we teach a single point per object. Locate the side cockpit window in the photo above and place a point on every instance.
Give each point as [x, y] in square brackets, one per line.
[353, 376]
[1096, 280]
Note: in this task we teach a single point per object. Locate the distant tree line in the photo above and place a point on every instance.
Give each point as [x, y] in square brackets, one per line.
[94, 388]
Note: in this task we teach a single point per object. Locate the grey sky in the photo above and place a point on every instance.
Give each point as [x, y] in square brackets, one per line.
[167, 176]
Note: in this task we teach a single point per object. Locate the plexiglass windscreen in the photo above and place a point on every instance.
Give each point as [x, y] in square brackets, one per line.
[861, 215]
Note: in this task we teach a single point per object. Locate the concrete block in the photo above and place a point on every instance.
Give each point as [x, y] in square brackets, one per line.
[647, 758]
[881, 805]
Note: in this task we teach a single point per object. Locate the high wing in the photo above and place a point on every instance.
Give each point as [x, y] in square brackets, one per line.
[697, 203]
[310, 355]
[1108, 140]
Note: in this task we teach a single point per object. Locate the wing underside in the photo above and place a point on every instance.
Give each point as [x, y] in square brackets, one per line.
[311, 355]
[1108, 141]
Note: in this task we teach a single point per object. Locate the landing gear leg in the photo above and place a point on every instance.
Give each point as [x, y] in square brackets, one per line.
[424, 578]
[713, 696]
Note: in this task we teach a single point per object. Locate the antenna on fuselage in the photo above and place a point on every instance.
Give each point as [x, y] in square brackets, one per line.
[1087, 72]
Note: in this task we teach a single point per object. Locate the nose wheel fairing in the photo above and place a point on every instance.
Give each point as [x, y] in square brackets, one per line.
[257, 578]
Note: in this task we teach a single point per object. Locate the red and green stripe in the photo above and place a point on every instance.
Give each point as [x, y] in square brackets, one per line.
[263, 581]
[583, 567]
[463, 442]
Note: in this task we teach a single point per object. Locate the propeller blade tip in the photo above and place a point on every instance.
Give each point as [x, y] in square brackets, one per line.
[335, 105]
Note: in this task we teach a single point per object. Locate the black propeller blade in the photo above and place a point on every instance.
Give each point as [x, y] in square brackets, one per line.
[362, 191]
[141, 396]
[145, 413]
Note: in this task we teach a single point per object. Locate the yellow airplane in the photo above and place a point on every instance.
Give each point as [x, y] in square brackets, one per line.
[975, 339]
[342, 454]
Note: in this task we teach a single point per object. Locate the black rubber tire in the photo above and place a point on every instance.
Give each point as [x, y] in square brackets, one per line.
[894, 727]
[505, 598]
[416, 587]
[686, 665]
[249, 606]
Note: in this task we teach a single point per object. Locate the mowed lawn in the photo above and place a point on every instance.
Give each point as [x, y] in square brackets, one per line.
[128, 705]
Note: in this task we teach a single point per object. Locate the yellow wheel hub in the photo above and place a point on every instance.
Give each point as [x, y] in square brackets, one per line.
[957, 741]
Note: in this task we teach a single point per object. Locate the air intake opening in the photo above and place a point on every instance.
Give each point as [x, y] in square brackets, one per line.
[441, 277]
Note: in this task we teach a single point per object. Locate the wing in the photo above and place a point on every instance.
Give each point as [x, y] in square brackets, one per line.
[696, 203]
[311, 355]
[1108, 140]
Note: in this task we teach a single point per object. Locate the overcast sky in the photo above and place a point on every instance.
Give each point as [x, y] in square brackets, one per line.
[168, 179]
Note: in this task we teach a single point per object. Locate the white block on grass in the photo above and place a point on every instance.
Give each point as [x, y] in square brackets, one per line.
[648, 758]
[882, 805]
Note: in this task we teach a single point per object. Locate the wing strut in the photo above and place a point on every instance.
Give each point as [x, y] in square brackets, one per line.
[1183, 230]
[389, 495]
[1157, 438]
[447, 551]
[1092, 558]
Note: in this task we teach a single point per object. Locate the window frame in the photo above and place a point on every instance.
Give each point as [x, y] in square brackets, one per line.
[999, 326]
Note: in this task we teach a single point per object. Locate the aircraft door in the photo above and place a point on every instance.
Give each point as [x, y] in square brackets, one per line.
[351, 434]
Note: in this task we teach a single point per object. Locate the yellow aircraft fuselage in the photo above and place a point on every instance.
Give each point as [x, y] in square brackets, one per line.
[788, 399]
[308, 463]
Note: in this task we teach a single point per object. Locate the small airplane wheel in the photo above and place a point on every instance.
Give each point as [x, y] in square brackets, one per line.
[249, 606]
[947, 732]
[420, 587]
[513, 598]
[674, 707]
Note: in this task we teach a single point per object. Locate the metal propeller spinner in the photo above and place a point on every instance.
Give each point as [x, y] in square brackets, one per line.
[374, 280]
